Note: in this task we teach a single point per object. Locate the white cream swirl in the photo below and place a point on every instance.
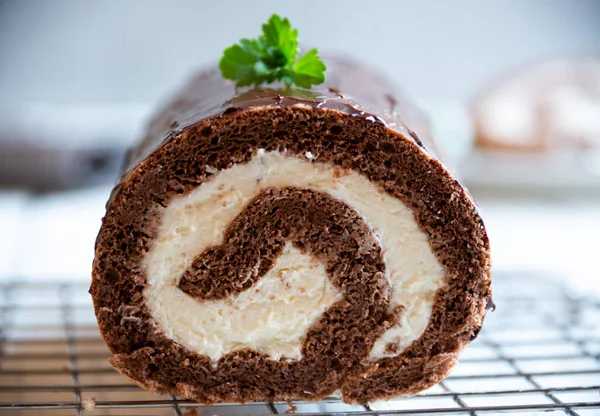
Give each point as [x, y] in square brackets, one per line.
[274, 316]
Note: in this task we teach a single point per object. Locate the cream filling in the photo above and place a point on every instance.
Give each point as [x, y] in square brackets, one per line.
[274, 316]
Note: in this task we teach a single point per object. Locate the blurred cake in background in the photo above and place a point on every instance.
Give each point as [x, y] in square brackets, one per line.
[538, 129]
[552, 104]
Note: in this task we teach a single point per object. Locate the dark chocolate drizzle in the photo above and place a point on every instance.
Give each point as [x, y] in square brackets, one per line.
[290, 97]
[490, 304]
[347, 83]
[210, 96]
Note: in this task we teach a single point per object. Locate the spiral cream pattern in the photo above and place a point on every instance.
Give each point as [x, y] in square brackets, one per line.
[274, 315]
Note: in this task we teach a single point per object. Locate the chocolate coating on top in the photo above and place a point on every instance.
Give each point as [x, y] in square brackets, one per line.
[208, 95]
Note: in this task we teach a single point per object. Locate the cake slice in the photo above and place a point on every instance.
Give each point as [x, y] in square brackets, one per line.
[551, 105]
[282, 244]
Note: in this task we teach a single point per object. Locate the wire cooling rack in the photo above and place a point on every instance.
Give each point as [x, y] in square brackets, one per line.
[539, 353]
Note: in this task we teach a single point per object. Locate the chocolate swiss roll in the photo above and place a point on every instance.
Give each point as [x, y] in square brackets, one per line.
[283, 244]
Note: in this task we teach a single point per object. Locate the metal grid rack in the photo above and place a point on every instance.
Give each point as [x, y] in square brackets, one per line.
[539, 353]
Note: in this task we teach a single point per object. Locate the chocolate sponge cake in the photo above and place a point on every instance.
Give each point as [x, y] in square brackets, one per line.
[280, 244]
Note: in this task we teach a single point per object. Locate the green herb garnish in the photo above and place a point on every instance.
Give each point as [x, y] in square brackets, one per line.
[272, 57]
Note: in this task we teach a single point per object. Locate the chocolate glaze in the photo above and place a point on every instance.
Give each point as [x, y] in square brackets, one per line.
[490, 304]
[380, 103]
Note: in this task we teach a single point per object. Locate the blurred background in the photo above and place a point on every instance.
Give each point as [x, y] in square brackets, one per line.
[512, 89]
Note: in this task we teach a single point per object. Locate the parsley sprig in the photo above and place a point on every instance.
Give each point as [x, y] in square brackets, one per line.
[272, 57]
